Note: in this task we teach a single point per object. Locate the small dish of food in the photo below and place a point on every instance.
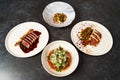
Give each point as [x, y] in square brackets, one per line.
[58, 14]
[92, 38]
[60, 58]
[26, 39]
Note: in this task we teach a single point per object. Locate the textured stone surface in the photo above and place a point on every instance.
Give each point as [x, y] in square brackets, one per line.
[106, 12]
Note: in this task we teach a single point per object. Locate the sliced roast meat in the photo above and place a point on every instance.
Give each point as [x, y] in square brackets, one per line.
[29, 38]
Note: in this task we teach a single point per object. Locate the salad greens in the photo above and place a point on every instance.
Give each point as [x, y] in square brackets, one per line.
[59, 58]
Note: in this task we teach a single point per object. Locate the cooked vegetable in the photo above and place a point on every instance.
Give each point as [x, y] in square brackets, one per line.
[85, 34]
[59, 18]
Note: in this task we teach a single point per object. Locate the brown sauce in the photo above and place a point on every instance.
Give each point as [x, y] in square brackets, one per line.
[33, 46]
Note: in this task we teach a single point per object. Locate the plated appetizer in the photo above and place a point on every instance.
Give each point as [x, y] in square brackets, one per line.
[58, 14]
[91, 38]
[29, 40]
[59, 59]
[59, 18]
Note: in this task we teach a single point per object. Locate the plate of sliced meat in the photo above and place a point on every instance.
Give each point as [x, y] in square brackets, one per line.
[26, 39]
[92, 38]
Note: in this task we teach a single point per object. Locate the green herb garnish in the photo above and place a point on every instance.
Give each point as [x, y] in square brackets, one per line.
[59, 58]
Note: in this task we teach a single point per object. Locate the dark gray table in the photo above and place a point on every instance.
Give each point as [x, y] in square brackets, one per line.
[106, 67]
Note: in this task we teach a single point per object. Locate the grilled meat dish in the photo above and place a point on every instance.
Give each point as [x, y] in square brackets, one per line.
[90, 36]
[28, 40]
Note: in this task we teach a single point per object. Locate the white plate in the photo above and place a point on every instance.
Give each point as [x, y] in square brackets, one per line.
[66, 46]
[58, 7]
[102, 48]
[18, 31]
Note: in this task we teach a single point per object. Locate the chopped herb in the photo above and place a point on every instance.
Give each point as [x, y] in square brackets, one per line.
[59, 58]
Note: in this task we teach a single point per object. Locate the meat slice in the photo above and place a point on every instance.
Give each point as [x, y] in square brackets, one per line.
[90, 36]
[28, 39]
[95, 37]
[25, 43]
[98, 34]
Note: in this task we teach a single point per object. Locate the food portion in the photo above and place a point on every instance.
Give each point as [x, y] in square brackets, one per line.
[59, 18]
[59, 59]
[29, 41]
[90, 36]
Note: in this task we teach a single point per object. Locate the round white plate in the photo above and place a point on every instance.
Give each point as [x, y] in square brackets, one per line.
[18, 31]
[66, 46]
[58, 7]
[102, 48]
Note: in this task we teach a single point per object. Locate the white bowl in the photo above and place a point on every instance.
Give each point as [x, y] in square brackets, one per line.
[102, 48]
[66, 46]
[18, 31]
[58, 7]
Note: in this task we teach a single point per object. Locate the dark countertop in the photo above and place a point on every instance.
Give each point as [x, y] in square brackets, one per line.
[106, 67]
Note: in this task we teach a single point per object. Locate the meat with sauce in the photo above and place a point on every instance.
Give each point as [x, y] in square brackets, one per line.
[29, 40]
[90, 36]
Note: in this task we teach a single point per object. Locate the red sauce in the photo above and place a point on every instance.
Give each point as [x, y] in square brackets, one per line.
[53, 66]
[33, 46]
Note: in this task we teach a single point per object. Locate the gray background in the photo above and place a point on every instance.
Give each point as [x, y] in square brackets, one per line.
[106, 12]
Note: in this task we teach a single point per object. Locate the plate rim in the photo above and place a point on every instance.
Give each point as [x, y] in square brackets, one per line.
[59, 26]
[14, 28]
[56, 75]
[90, 21]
